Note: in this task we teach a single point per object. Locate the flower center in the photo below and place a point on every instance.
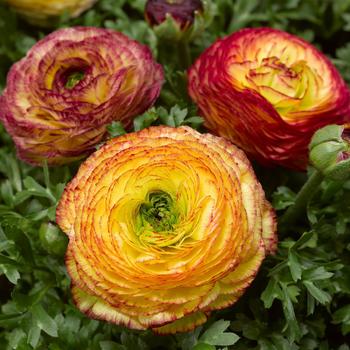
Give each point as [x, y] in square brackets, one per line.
[158, 212]
[74, 78]
[289, 87]
[274, 74]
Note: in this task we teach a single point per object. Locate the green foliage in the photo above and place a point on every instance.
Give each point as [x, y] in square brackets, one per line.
[300, 298]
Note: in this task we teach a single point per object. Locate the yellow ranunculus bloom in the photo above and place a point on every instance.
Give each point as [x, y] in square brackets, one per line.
[164, 225]
[41, 12]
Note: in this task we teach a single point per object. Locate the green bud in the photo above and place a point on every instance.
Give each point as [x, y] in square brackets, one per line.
[53, 240]
[330, 151]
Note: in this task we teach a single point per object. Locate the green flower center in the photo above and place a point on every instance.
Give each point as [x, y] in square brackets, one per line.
[157, 213]
[73, 79]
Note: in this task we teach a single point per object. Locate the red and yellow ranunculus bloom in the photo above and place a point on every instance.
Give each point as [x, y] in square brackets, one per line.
[164, 225]
[268, 92]
[71, 84]
[44, 12]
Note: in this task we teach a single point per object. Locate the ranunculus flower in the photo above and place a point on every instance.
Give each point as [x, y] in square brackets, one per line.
[71, 84]
[268, 92]
[164, 225]
[44, 12]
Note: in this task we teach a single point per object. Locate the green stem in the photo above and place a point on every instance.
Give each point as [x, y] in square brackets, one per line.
[303, 197]
[184, 53]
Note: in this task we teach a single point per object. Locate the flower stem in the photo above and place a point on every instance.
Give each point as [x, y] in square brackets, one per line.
[303, 197]
[184, 54]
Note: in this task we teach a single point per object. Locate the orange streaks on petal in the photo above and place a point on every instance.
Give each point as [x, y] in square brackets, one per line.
[131, 274]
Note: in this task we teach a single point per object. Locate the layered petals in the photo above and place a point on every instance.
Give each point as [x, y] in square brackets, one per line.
[164, 225]
[43, 12]
[71, 84]
[268, 92]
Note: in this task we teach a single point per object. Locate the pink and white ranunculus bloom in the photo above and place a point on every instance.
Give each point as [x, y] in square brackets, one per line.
[70, 86]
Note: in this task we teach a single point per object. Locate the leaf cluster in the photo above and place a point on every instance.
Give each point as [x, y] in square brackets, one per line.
[300, 298]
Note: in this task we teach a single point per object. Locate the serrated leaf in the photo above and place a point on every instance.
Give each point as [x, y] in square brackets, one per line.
[342, 315]
[116, 129]
[215, 334]
[8, 319]
[16, 336]
[307, 240]
[288, 310]
[283, 197]
[43, 320]
[316, 274]
[37, 190]
[320, 295]
[178, 114]
[145, 120]
[34, 336]
[294, 265]
[197, 121]
[271, 292]
[11, 273]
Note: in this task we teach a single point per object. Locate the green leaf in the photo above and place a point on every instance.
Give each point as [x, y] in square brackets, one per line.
[43, 320]
[283, 197]
[288, 310]
[178, 114]
[53, 239]
[294, 265]
[11, 273]
[342, 314]
[25, 301]
[37, 190]
[195, 122]
[34, 336]
[145, 120]
[215, 334]
[116, 129]
[131, 341]
[5, 260]
[316, 274]
[6, 320]
[203, 346]
[271, 292]
[307, 240]
[320, 295]
[15, 338]
[110, 345]
[6, 193]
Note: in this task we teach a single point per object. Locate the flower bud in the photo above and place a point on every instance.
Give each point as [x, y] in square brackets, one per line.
[177, 19]
[330, 151]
